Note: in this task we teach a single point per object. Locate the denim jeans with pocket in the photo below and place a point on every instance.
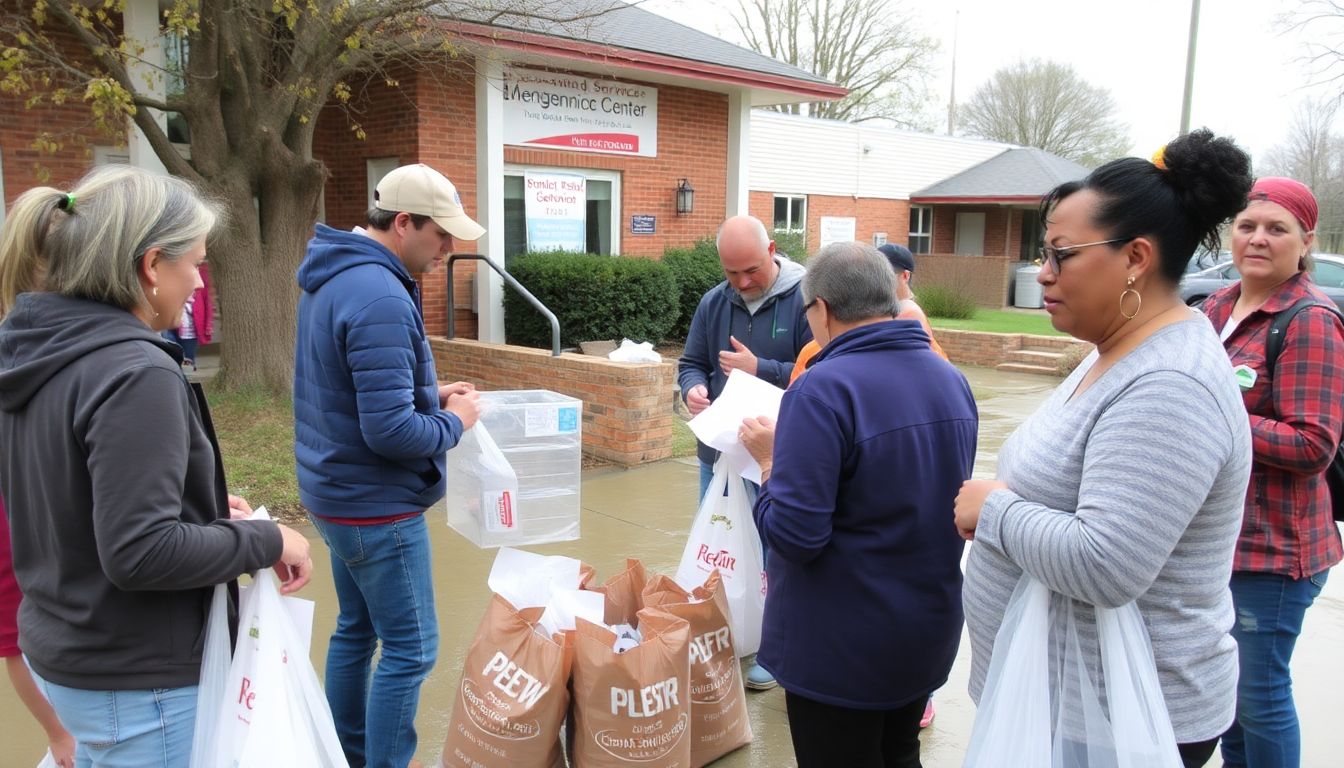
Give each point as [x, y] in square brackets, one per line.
[126, 729]
[1269, 609]
[386, 594]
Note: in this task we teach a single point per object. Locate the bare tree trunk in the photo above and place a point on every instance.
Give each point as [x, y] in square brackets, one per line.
[258, 294]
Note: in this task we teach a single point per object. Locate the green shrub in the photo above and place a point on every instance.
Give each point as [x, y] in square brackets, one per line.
[941, 301]
[792, 244]
[594, 297]
[696, 270]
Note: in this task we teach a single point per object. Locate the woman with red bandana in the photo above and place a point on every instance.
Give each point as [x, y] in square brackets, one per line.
[1288, 538]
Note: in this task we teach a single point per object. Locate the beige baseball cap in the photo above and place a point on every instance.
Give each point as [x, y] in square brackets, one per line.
[422, 190]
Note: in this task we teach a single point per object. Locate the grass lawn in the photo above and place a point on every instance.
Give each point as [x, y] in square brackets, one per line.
[1001, 321]
[256, 436]
[683, 440]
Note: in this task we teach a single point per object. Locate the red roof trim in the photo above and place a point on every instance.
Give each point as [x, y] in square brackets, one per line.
[641, 60]
[978, 200]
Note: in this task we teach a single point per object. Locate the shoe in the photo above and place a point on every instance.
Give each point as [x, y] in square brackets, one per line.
[758, 679]
[927, 719]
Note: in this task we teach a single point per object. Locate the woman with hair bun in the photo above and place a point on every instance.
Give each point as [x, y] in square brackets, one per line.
[1289, 539]
[119, 517]
[1127, 484]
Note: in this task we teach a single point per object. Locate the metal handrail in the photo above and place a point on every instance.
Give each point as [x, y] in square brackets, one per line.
[515, 285]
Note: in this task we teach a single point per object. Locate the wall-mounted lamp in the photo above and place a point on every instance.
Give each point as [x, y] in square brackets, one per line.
[685, 197]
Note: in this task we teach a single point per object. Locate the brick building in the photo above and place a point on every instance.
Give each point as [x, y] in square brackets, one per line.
[965, 207]
[628, 105]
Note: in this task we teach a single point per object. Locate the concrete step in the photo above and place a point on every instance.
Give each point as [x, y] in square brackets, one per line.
[1041, 370]
[1057, 343]
[1044, 357]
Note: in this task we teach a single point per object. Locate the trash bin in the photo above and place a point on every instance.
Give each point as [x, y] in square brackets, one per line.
[1027, 292]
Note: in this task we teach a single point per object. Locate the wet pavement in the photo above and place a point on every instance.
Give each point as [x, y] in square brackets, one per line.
[646, 512]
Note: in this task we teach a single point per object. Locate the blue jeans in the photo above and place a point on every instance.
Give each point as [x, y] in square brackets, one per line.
[126, 729]
[386, 593]
[1270, 609]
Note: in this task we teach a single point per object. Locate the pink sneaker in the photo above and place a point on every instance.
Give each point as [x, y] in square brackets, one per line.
[927, 719]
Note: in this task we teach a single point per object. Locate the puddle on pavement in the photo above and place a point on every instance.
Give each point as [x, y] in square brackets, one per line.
[645, 513]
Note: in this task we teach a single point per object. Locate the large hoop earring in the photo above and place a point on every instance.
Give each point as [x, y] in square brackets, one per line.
[1129, 289]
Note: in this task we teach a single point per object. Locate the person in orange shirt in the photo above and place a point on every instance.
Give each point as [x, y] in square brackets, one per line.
[904, 263]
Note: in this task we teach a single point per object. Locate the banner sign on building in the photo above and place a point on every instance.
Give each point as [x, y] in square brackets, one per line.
[837, 229]
[556, 208]
[582, 114]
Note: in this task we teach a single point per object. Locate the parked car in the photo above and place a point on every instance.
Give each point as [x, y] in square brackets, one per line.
[1205, 259]
[1328, 275]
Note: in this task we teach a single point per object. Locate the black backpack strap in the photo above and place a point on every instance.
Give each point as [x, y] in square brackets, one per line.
[1279, 329]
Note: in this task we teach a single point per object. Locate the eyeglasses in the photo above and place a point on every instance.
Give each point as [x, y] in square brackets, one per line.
[1055, 256]
[809, 304]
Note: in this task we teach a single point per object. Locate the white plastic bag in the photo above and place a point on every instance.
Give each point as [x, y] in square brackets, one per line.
[497, 507]
[1054, 698]
[724, 538]
[265, 707]
[630, 352]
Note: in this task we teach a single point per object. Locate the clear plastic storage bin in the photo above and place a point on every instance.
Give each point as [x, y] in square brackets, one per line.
[541, 434]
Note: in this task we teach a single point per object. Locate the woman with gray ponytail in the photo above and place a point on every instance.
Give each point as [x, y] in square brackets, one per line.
[120, 519]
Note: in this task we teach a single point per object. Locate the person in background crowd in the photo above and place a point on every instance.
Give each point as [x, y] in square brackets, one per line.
[120, 521]
[752, 321]
[1289, 539]
[903, 262]
[59, 741]
[842, 543]
[198, 321]
[372, 428]
[1126, 485]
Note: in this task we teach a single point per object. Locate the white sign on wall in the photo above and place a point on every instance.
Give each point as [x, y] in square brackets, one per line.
[562, 111]
[836, 229]
[556, 207]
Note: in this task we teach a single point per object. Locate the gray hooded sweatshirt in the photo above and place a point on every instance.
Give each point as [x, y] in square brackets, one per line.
[116, 499]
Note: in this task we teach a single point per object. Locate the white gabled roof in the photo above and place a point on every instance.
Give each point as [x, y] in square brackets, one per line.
[803, 155]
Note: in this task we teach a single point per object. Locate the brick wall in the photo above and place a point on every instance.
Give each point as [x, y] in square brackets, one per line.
[871, 215]
[991, 349]
[627, 407]
[426, 118]
[692, 144]
[69, 124]
[431, 118]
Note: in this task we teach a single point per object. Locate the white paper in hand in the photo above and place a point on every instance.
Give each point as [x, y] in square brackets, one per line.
[717, 426]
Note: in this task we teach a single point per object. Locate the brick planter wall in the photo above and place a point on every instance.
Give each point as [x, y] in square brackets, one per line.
[991, 349]
[627, 407]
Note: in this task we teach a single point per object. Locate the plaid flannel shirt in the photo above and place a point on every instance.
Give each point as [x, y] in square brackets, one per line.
[1295, 427]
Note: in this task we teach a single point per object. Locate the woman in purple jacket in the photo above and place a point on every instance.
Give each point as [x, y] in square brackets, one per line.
[863, 614]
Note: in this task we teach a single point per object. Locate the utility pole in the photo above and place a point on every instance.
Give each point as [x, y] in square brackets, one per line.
[1190, 67]
[952, 97]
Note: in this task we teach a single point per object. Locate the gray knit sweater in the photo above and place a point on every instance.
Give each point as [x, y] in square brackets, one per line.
[1132, 490]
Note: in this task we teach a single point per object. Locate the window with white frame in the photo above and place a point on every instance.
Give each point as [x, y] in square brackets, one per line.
[921, 229]
[603, 213]
[375, 168]
[791, 213]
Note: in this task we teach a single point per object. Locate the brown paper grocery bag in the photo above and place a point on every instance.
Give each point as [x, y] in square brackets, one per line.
[624, 593]
[633, 708]
[719, 721]
[513, 695]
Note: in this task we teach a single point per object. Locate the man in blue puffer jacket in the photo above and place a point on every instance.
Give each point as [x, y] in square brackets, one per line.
[371, 430]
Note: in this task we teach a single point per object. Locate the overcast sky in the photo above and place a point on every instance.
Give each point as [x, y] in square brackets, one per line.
[1249, 72]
